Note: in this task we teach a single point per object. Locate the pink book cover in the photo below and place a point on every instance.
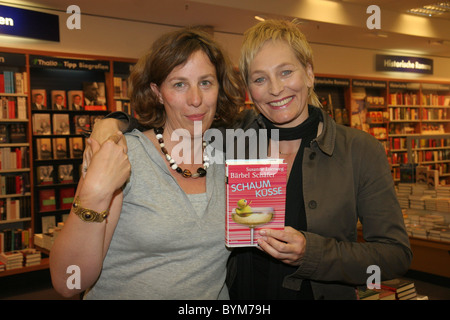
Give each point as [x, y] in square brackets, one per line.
[256, 198]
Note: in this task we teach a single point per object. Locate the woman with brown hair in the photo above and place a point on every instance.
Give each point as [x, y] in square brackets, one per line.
[160, 236]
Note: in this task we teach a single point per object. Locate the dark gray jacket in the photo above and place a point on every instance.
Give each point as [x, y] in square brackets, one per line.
[346, 177]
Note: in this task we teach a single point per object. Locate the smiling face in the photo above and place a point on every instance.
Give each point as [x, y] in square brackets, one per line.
[278, 84]
[189, 94]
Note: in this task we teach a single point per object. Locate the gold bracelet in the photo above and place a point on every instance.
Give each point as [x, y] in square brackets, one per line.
[88, 215]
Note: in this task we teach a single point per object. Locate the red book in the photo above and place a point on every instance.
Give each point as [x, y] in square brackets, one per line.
[256, 199]
[2, 83]
[18, 158]
[47, 200]
[66, 198]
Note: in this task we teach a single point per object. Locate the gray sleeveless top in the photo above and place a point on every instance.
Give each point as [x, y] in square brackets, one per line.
[167, 244]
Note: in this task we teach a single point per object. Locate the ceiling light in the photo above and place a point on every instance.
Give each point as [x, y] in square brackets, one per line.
[260, 18]
[431, 9]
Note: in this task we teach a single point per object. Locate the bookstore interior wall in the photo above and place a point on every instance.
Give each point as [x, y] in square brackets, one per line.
[105, 36]
[41, 147]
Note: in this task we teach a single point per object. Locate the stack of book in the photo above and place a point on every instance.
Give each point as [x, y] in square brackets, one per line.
[443, 204]
[443, 191]
[12, 259]
[31, 257]
[403, 192]
[404, 289]
[439, 234]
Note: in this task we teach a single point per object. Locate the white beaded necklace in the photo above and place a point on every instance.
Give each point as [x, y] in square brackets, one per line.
[201, 172]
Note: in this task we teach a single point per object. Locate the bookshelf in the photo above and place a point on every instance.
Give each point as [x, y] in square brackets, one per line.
[121, 71]
[48, 139]
[417, 109]
[369, 108]
[333, 93]
[392, 110]
[15, 195]
[59, 128]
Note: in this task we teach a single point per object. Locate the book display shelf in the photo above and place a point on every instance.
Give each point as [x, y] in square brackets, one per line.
[333, 94]
[392, 111]
[120, 84]
[15, 162]
[368, 108]
[49, 101]
[411, 119]
[419, 109]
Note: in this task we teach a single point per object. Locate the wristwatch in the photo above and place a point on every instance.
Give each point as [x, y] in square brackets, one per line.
[88, 215]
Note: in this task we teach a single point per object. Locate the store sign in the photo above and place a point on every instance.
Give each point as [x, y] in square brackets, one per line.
[68, 64]
[404, 85]
[369, 84]
[404, 64]
[29, 24]
[12, 59]
[333, 82]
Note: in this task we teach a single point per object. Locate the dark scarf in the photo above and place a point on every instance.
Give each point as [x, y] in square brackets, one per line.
[260, 276]
[299, 132]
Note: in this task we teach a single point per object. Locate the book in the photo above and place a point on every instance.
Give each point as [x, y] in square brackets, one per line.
[41, 123]
[44, 149]
[407, 294]
[385, 294]
[48, 222]
[39, 99]
[59, 100]
[11, 259]
[75, 100]
[403, 288]
[432, 179]
[4, 133]
[255, 199]
[47, 200]
[65, 173]
[31, 257]
[61, 123]
[368, 294]
[59, 148]
[18, 133]
[82, 124]
[66, 196]
[94, 95]
[44, 174]
[76, 147]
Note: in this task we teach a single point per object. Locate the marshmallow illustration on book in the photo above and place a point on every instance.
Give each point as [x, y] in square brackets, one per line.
[251, 217]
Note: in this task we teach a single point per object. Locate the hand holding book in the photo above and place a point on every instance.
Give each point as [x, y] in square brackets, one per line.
[286, 245]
